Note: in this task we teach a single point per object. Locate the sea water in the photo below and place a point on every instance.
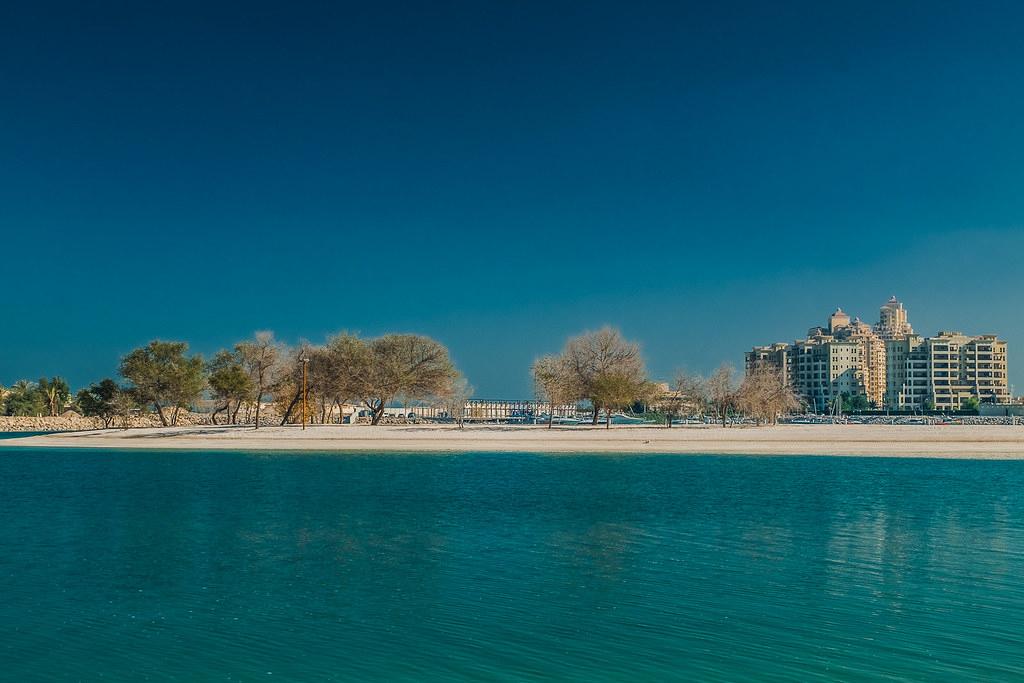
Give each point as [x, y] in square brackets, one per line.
[143, 565]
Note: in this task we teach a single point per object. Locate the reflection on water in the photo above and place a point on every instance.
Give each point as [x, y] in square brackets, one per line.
[509, 567]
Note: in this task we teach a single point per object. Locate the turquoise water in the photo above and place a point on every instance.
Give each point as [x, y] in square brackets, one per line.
[231, 566]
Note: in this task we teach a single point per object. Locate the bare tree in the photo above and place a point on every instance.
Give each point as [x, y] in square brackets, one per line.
[668, 401]
[765, 395]
[693, 392]
[454, 399]
[260, 357]
[602, 364]
[123, 404]
[721, 391]
[554, 383]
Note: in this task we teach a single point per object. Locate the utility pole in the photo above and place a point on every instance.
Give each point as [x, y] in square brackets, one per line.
[305, 362]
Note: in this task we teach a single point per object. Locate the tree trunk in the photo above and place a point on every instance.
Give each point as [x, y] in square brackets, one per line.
[551, 415]
[174, 416]
[160, 412]
[213, 415]
[597, 415]
[608, 418]
[291, 407]
[234, 415]
[376, 414]
[259, 400]
[668, 421]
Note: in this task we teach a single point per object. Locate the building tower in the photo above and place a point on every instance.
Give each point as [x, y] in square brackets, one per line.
[838, 321]
[892, 321]
[870, 359]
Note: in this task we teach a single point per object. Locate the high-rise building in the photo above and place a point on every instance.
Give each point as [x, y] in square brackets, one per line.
[888, 364]
[871, 361]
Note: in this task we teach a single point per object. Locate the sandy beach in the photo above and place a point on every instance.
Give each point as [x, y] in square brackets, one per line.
[944, 441]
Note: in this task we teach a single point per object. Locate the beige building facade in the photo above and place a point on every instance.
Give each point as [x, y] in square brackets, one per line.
[893, 322]
[890, 365]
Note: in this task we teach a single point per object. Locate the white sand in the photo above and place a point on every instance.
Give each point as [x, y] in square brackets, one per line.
[945, 441]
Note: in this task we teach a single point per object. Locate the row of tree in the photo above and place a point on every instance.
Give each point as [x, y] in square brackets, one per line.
[601, 369]
[607, 372]
[48, 396]
[346, 369]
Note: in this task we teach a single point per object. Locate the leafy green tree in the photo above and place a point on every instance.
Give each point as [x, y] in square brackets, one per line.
[100, 400]
[163, 375]
[970, 403]
[24, 399]
[854, 402]
[229, 383]
[56, 393]
[335, 370]
[410, 366]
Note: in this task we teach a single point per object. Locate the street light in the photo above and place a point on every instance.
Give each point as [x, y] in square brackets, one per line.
[305, 362]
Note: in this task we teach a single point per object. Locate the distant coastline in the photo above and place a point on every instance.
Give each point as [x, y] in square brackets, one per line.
[941, 441]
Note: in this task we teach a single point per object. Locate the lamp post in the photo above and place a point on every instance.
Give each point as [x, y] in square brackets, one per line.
[305, 362]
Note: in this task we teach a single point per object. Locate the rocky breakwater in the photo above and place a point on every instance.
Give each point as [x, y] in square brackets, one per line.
[72, 422]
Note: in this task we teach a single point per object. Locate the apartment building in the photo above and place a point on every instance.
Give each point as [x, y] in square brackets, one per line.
[893, 322]
[962, 367]
[907, 376]
[889, 365]
[871, 359]
[775, 357]
[824, 368]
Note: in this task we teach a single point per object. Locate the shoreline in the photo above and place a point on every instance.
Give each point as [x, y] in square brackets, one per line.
[936, 441]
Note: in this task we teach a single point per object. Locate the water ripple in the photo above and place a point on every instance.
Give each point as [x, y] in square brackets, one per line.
[506, 567]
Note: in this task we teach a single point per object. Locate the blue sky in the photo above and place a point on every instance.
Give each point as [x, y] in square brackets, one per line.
[500, 177]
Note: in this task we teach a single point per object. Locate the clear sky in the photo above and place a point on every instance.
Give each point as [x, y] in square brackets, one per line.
[705, 176]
